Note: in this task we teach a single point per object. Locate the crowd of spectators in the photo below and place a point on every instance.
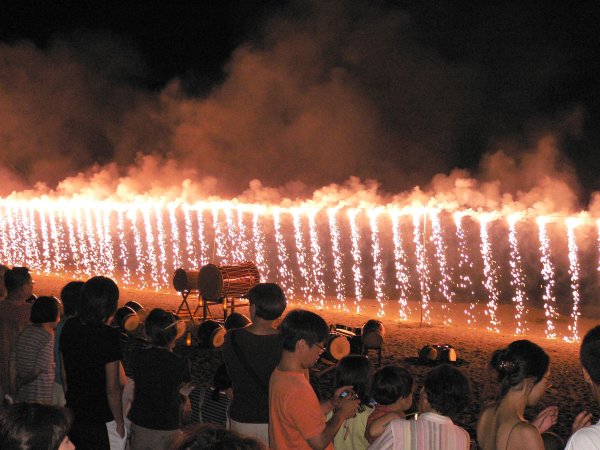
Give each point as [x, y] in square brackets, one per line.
[64, 385]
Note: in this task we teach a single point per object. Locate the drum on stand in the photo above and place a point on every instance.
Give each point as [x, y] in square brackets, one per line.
[217, 282]
[185, 280]
[210, 334]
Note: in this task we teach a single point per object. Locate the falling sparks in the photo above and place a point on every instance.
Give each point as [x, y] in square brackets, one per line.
[338, 278]
[548, 277]
[312, 251]
[490, 276]
[440, 254]
[377, 263]
[516, 272]
[422, 267]
[356, 257]
[574, 273]
[400, 266]
[306, 286]
[465, 267]
[317, 261]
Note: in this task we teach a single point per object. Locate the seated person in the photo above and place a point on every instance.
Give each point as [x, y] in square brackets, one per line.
[213, 437]
[445, 392]
[392, 390]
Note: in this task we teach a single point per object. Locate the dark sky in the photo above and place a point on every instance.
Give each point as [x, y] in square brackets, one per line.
[517, 69]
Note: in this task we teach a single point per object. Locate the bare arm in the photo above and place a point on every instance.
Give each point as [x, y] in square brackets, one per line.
[525, 437]
[114, 394]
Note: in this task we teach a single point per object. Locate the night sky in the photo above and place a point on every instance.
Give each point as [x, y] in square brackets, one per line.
[441, 84]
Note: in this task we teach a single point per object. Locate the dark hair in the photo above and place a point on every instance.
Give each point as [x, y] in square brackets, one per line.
[161, 327]
[300, 324]
[520, 360]
[44, 309]
[16, 278]
[391, 383]
[99, 297]
[268, 299]
[208, 436]
[70, 296]
[33, 426]
[448, 390]
[355, 371]
[589, 353]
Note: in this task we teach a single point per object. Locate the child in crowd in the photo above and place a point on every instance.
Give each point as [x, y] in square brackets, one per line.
[445, 392]
[158, 375]
[355, 371]
[392, 390]
[34, 353]
[211, 404]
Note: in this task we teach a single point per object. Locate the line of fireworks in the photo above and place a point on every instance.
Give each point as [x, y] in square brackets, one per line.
[141, 243]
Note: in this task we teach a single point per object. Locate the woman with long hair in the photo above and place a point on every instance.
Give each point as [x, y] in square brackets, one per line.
[524, 375]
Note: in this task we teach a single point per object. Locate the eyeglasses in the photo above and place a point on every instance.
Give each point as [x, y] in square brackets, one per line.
[321, 347]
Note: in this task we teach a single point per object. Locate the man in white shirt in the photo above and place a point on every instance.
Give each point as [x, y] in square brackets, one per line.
[587, 436]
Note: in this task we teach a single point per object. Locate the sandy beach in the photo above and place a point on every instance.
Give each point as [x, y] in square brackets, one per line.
[403, 339]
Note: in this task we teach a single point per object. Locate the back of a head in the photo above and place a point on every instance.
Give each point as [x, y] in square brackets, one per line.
[520, 360]
[160, 327]
[208, 436]
[16, 278]
[99, 297]
[70, 295]
[45, 309]
[589, 354]
[448, 390]
[355, 371]
[391, 383]
[298, 325]
[32, 426]
[268, 299]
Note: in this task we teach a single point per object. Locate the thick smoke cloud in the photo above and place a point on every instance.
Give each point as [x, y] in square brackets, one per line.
[329, 92]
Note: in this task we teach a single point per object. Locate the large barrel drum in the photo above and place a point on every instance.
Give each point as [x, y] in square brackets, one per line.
[236, 320]
[217, 282]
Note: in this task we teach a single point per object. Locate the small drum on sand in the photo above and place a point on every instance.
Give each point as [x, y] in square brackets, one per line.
[210, 334]
[337, 347]
[373, 334]
[217, 282]
[126, 319]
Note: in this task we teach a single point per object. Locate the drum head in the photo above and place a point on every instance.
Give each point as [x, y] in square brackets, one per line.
[217, 338]
[338, 347]
[210, 282]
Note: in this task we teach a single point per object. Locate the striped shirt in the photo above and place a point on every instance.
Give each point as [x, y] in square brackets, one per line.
[14, 316]
[430, 432]
[35, 350]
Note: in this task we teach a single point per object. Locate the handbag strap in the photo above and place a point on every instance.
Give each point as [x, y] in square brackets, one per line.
[246, 364]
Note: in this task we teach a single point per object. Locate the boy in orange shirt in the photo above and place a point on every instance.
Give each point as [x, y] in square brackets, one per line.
[296, 418]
